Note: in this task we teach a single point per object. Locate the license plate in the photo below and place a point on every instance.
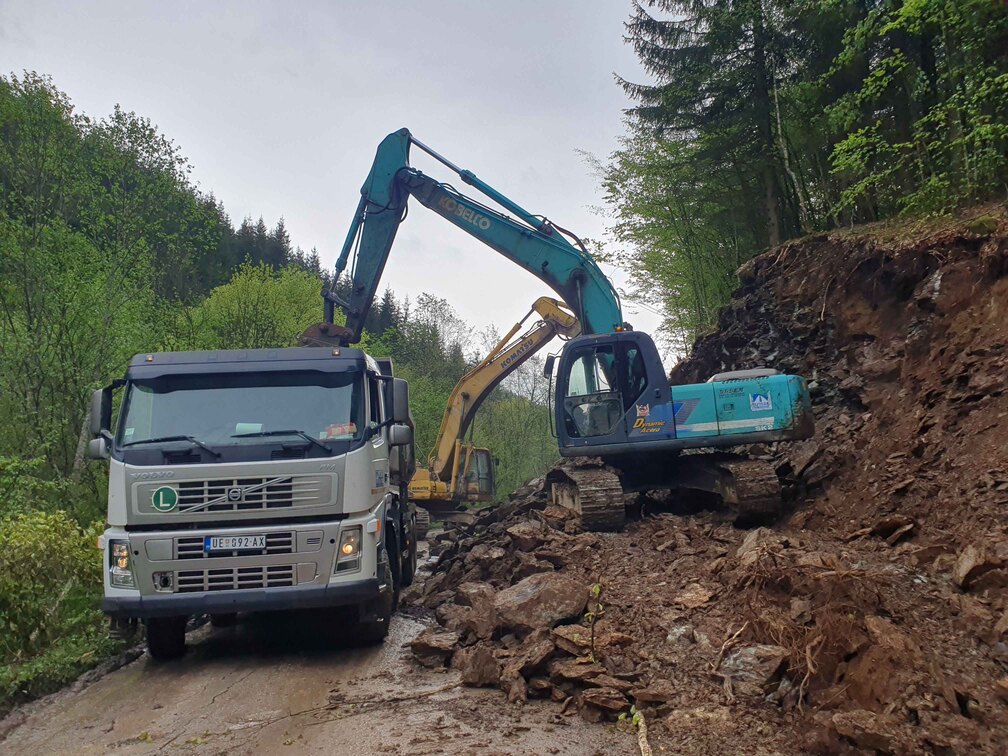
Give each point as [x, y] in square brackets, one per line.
[233, 543]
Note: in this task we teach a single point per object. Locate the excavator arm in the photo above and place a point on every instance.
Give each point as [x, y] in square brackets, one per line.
[474, 387]
[534, 243]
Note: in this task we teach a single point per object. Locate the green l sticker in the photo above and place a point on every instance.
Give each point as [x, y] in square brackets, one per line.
[164, 499]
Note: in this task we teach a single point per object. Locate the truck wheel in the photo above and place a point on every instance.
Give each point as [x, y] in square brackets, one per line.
[409, 564]
[395, 564]
[422, 522]
[166, 637]
[373, 630]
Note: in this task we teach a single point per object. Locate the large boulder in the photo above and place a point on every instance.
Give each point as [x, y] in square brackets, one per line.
[477, 666]
[434, 646]
[540, 601]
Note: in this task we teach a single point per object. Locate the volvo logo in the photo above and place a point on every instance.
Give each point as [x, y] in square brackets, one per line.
[158, 475]
[234, 494]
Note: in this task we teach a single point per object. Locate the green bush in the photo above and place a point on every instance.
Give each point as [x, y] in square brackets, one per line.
[50, 582]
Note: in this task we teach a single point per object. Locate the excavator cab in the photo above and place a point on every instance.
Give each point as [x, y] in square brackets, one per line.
[605, 382]
[480, 484]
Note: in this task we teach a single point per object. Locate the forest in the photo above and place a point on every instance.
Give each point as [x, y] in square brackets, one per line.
[107, 249]
[764, 121]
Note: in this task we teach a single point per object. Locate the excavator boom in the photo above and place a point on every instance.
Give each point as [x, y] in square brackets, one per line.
[475, 386]
[527, 240]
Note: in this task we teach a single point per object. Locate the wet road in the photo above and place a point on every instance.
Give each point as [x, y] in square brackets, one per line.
[278, 684]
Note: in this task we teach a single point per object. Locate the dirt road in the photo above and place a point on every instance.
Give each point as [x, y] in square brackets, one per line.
[273, 685]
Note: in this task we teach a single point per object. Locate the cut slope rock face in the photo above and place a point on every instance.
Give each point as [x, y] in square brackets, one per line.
[874, 616]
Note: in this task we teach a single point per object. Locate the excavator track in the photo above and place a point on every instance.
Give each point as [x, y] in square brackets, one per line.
[422, 523]
[748, 486]
[594, 492]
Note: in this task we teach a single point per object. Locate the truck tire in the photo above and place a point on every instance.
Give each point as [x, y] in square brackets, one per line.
[373, 630]
[410, 557]
[166, 637]
[422, 523]
[395, 564]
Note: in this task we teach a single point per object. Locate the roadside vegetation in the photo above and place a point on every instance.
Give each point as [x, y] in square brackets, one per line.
[107, 249]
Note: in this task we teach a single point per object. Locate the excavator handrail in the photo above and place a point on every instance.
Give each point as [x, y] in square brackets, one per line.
[530, 241]
[472, 389]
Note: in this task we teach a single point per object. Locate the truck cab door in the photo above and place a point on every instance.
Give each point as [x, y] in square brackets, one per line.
[379, 444]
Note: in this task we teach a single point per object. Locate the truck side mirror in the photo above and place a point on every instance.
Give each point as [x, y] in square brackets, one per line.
[97, 448]
[400, 401]
[548, 367]
[100, 418]
[400, 435]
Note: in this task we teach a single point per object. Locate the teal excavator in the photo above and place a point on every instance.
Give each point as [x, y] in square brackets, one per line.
[619, 421]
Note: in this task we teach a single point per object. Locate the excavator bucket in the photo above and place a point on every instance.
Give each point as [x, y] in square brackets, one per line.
[324, 335]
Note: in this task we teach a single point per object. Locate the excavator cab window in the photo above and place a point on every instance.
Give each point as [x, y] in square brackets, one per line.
[592, 405]
[635, 374]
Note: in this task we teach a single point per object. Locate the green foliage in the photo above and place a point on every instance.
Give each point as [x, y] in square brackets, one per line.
[50, 579]
[768, 120]
[258, 308]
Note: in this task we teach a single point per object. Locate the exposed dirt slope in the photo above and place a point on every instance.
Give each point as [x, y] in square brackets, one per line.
[874, 615]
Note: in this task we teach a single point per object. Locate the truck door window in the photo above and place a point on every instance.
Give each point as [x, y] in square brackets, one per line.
[592, 406]
[374, 393]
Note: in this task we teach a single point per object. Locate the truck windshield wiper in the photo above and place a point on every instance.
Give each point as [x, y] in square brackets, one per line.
[159, 439]
[295, 432]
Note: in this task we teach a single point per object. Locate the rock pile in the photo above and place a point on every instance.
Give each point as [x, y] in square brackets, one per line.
[874, 616]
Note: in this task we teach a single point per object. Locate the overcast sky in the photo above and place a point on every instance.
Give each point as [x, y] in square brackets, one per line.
[279, 107]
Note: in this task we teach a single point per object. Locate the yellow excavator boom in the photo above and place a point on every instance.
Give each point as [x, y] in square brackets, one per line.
[474, 387]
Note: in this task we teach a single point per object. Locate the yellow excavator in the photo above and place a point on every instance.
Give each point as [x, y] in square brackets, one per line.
[457, 472]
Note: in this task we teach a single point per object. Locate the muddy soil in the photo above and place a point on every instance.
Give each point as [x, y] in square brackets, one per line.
[273, 684]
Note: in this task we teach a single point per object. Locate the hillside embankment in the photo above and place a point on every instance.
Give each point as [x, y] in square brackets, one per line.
[872, 615]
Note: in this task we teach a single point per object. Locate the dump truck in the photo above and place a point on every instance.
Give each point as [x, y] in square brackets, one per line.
[251, 481]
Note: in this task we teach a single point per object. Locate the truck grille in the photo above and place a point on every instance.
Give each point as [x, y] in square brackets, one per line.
[191, 547]
[234, 578]
[256, 493]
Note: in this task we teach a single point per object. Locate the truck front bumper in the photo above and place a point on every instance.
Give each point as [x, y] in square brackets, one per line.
[355, 593]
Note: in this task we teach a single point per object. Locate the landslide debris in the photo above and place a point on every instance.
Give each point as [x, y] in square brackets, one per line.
[873, 616]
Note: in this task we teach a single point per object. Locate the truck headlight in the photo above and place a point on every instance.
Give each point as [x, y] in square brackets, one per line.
[120, 565]
[348, 556]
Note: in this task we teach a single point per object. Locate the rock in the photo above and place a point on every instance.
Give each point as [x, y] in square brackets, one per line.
[573, 670]
[694, 595]
[532, 654]
[541, 686]
[753, 670]
[464, 619]
[576, 639]
[607, 700]
[607, 681]
[657, 693]
[485, 555]
[527, 535]
[477, 665]
[540, 601]
[973, 561]
[530, 565]
[758, 542]
[681, 634]
[517, 690]
[434, 646]
[801, 610]
[866, 729]
[475, 594]
[1001, 688]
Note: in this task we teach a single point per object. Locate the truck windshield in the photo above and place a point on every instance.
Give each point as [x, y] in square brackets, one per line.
[222, 409]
